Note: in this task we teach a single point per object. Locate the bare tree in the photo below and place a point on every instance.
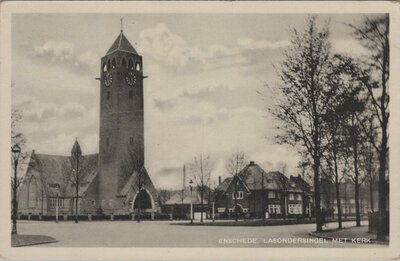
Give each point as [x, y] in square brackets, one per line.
[373, 34]
[201, 169]
[234, 165]
[133, 164]
[304, 96]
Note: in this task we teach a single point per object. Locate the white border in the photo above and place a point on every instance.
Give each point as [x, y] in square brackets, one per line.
[8, 8]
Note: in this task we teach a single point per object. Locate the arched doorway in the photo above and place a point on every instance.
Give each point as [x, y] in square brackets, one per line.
[142, 201]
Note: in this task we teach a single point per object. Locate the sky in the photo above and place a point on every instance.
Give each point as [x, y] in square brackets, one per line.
[205, 73]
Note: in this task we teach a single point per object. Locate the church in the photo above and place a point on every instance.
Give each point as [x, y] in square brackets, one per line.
[114, 181]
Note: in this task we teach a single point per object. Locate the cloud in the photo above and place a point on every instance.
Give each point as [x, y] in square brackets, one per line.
[349, 46]
[163, 104]
[251, 44]
[55, 51]
[164, 45]
[64, 53]
[173, 50]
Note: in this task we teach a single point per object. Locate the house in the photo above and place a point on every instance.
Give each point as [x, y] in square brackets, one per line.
[255, 192]
[180, 201]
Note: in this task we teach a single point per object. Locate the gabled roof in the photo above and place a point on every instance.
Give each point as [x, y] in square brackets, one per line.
[54, 171]
[121, 44]
[255, 178]
[132, 183]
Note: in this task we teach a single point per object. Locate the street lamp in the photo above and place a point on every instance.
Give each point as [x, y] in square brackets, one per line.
[16, 151]
[191, 201]
[58, 195]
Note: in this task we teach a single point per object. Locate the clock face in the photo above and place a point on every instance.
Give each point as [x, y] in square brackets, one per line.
[130, 79]
[108, 79]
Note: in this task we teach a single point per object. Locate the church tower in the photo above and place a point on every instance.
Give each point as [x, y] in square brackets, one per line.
[121, 121]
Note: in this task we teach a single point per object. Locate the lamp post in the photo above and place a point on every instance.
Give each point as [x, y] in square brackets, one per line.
[191, 201]
[16, 151]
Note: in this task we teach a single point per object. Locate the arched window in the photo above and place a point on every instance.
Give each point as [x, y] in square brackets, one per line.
[32, 192]
[108, 65]
[123, 63]
[138, 67]
[104, 67]
[130, 64]
[114, 63]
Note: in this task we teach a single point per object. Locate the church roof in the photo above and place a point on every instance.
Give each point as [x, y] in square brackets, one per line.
[121, 44]
[54, 171]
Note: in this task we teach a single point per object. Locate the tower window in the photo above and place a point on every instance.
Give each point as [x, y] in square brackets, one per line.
[104, 67]
[108, 65]
[108, 95]
[114, 63]
[131, 141]
[108, 141]
[123, 63]
[138, 67]
[130, 64]
[130, 95]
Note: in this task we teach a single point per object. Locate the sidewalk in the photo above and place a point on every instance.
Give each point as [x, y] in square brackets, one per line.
[350, 234]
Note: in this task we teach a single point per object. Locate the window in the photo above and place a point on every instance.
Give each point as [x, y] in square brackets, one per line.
[114, 63]
[108, 96]
[137, 67]
[123, 63]
[239, 195]
[298, 196]
[108, 141]
[131, 141]
[291, 196]
[104, 67]
[130, 64]
[274, 209]
[108, 65]
[130, 95]
[32, 187]
[271, 194]
[295, 209]
[93, 203]
[54, 202]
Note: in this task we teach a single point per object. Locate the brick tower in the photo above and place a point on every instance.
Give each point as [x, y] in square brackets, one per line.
[121, 120]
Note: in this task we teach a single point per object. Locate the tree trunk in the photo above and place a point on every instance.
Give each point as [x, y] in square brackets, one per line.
[382, 188]
[337, 187]
[201, 197]
[371, 195]
[357, 186]
[318, 218]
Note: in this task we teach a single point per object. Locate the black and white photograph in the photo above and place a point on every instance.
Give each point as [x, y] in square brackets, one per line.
[158, 127]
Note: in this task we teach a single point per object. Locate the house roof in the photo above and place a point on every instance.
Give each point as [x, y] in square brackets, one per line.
[194, 197]
[255, 178]
[121, 44]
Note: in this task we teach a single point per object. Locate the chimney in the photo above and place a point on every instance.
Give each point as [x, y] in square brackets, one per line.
[251, 162]
[219, 180]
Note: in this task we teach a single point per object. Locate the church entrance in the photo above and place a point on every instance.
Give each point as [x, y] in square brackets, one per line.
[142, 201]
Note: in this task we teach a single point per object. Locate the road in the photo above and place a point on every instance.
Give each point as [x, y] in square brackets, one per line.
[173, 234]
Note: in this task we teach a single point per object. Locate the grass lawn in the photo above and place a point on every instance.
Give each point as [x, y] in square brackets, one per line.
[29, 240]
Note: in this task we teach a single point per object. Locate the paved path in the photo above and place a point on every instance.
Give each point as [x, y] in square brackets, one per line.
[170, 234]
